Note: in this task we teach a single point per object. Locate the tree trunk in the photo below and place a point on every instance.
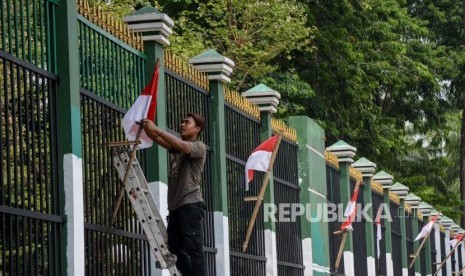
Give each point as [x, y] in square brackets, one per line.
[462, 167]
[462, 141]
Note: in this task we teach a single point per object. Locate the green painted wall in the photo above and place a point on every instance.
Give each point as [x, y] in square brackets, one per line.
[416, 245]
[345, 197]
[387, 224]
[265, 133]
[403, 235]
[369, 227]
[312, 177]
[157, 157]
[218, 145]
[68, 104]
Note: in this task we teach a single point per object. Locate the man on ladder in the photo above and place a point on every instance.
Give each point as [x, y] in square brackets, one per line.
[185, 202]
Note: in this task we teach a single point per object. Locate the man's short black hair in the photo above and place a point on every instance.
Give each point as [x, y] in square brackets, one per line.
[198, 119]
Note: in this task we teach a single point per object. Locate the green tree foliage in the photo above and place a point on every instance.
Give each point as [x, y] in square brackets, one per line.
[446, 25]
[252, 33]
[363, 69]
[376, 71]
[371, 74]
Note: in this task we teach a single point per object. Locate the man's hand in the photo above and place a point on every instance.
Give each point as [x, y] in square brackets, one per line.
[154, 132]
[148, 125]
[164, 139]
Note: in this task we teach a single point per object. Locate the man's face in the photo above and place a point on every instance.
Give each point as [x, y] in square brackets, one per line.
[188, 128]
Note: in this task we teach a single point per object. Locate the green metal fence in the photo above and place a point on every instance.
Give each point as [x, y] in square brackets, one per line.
[30, 223]
[112, 74]
[286, 191]
[111, 78]
[242, 136]
[185, 95]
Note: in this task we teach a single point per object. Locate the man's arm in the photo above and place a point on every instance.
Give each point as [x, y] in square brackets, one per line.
[154, 136]
[165, 139]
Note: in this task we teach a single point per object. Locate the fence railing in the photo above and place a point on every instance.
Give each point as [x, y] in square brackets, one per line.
[377, 200]
[187, 94]
[112, 70]
[30, 220]
[334, 197]
[396, 237]
[287, 191]
[242, 137]
[409, 238]
[111, 77]
[360, 250]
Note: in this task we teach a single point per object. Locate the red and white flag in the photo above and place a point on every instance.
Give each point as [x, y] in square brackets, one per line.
[259, 160]
[378, 229]
[143, 108]
[457, 238]
[350, 212]
[427, 228]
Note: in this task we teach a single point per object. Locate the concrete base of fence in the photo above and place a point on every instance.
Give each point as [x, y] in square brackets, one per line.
[307, 256]
[270, 253]
[349, 263]
[159, 191]
[389, 265]
[222, 243]
[404, 271]
[74, 212]
[320, 270]
[371, 264]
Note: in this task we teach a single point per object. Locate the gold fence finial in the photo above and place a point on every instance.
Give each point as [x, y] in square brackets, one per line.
[185, 70]
[99, 17]
[279, 126]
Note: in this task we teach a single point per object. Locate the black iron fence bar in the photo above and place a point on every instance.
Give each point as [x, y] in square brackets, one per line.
[287, 183]
[291, 265]
[114, 231]
[175, 133]
[25, 25]
[248, 116]
[101, 100]
[31, 214]
[27, 65]
[186, 81]
[286, 140]
[210, 249]
[235, 159]
[110, 36]
[247, 256]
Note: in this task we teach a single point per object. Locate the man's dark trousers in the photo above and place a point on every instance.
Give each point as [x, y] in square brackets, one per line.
[185, 238]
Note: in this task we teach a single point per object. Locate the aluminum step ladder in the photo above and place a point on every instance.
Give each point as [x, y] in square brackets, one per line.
[146, 210]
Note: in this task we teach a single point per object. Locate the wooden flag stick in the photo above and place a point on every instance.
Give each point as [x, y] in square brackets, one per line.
[344, 232]
[461, 270]
[132, 156]
[260, 195]
[126, 176]
[447, 257]
[341, 249]
[415, 256]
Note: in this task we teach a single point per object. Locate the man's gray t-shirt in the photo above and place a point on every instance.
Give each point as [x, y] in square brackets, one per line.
[185, 176]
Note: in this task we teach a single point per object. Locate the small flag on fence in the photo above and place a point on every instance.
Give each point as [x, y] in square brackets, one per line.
[378, 229]
[457, 238]
[143, 108]
[427, 228]
[259, 160]
[350, 212]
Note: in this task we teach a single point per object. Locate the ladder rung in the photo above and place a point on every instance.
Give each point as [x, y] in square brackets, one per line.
[250, 198]
[147, 211]
[146, 191]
